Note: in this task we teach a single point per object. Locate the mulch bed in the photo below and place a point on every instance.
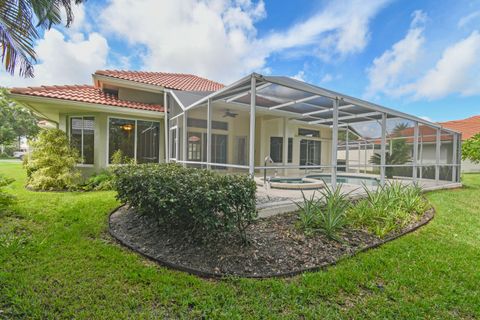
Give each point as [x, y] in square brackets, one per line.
[277, 247]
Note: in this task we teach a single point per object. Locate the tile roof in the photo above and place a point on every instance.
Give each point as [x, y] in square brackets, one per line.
[425, 134]
[468, 127]
[177, 81]
[84, 93]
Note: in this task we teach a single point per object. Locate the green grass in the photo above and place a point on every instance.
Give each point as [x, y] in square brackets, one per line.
[57, 261]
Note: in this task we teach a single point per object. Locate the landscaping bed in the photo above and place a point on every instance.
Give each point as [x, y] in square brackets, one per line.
[276, 246]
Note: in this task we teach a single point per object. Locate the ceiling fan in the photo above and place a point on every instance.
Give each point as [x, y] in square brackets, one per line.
[230, 114]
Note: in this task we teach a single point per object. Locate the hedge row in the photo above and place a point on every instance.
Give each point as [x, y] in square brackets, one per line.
[203, 201]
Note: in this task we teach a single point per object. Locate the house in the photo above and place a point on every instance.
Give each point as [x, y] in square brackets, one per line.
[122, 110]
[254, 125]
[468, 128]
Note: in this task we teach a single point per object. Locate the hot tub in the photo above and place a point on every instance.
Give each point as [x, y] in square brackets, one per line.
[294, 183]
[357, 180]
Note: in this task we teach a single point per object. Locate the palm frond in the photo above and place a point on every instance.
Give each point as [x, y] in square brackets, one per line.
[17, 35]
[18, 32]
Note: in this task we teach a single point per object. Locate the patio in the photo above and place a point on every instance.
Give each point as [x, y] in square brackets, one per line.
[272, 201]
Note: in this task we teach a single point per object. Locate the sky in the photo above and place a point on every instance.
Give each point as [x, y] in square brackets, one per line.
[419, 57]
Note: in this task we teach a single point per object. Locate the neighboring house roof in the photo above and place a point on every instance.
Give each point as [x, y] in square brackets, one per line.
[84, 93]
[468, 127]
[177, 81]
[425, 134]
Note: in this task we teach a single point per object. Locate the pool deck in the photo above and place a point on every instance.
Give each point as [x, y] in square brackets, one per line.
[276, 201]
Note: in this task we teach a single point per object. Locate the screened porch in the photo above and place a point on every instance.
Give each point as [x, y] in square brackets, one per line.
[281, 128]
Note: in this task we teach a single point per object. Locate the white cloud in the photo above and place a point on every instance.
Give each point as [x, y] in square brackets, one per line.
[457, 71]
[464, 21]
[65, 56]
[427, 118]
[213, 38]
[326, 78]
[399, 61]
[218, 38]
[300, 75]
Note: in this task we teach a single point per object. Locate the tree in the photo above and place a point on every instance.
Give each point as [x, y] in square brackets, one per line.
[15, 121]
[18, 31]
[400, 151]
[471, 149]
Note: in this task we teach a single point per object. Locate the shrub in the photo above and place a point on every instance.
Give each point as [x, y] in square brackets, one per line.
[326, 214]
[51, 164]
[388, 208]
[5, 198]
[101, 181]
[119, 158]
[202, 201]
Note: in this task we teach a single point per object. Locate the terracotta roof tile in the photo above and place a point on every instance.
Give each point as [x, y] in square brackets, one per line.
[468, 127]
[177, 81]
[84, 93]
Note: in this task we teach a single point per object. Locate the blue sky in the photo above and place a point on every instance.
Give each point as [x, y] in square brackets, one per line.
[420, 57]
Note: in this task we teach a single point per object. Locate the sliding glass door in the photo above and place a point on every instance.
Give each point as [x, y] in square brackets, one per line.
[136, 139]
[310, 152]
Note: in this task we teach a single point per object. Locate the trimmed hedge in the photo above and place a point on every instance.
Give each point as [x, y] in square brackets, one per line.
[202, 201]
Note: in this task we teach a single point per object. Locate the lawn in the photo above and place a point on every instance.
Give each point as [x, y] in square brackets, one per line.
[58, 261]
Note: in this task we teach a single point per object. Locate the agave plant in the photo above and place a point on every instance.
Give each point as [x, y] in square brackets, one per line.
[388, 208]
[333, 215]
[326, 214]
[308, 212]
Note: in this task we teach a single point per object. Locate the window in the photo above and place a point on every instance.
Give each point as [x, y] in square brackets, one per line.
[137, 139]
[201, 123]
[82, 137]
[121, 136]
[219, 148]
[276, 149]
[148, 141]
[310, 152]
[308, 133]
[241, 150]
[290, 150]
[113, 92]
[194, 146]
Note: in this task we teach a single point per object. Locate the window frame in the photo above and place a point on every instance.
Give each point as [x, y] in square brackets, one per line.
[135, 137]
[69, 126]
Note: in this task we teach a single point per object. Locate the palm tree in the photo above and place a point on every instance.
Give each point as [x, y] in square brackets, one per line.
[18, 31]
[399, 152]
